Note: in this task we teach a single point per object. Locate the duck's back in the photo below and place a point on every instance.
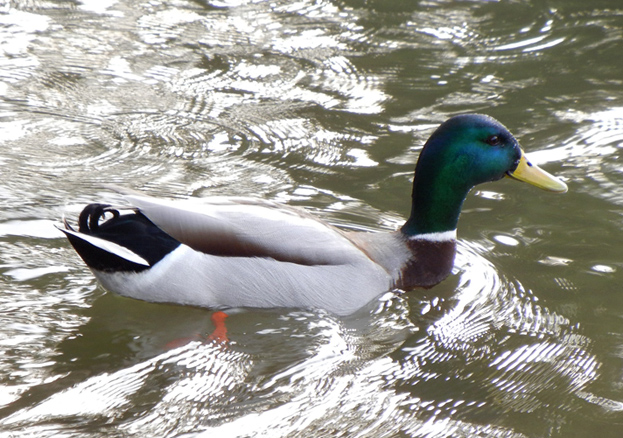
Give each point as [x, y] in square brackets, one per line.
[248, 227]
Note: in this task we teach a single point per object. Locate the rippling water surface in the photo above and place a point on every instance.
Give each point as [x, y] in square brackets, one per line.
[321, 104]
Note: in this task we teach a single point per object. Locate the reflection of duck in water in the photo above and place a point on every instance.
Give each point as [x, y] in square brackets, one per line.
[237, 252]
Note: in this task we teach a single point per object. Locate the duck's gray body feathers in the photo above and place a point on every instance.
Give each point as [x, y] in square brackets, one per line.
[242, 252]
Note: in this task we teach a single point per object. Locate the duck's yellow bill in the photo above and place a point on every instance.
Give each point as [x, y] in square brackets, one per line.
[533, 174]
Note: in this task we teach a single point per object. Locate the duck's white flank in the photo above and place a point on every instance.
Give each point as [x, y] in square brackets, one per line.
[442, 236]
[186, 276]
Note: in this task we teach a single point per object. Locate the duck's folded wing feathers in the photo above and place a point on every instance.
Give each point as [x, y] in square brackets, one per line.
[248, 227]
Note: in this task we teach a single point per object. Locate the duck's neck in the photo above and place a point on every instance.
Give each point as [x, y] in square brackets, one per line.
[437, 199]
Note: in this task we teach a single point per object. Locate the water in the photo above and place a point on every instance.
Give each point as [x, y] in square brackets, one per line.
[324, 105]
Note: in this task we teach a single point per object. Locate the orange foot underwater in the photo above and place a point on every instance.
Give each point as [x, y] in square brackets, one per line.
[218, 335]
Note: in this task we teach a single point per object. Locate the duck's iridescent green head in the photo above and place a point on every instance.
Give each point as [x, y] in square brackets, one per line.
[464, 151]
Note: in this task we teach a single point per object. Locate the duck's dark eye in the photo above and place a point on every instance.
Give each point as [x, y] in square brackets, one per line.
[494, 140]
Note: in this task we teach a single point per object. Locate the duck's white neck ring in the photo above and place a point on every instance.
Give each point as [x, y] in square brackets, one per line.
[441, 236]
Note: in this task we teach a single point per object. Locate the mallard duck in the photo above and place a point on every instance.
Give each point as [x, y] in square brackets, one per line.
[224, 252]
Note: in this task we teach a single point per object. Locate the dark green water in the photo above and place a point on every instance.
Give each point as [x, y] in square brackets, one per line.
[323, 105]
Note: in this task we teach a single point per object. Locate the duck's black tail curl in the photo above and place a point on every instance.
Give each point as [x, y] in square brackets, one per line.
[110, 241]
[90, 217]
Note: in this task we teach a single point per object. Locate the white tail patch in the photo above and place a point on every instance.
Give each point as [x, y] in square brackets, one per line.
[111, 247]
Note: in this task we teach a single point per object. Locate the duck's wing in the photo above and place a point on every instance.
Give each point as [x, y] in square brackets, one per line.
[245, 227]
